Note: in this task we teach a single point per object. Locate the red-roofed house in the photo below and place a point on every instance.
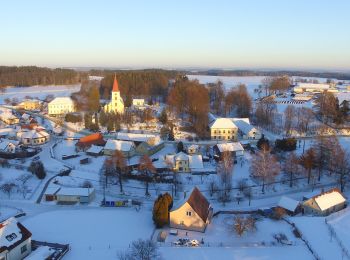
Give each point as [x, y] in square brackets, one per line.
[86, 142]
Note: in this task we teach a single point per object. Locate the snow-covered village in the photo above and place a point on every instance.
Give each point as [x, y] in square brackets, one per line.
[178, 161]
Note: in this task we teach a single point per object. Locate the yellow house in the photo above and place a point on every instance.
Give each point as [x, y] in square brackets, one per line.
[30, 104]
[223, 129]
[193, 214]
[180, 162]
[325, 203]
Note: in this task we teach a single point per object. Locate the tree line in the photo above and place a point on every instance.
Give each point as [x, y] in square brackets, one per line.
[31, 75]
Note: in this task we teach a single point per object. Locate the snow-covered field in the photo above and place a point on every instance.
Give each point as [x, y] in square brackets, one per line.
[341, 225]
[38, 91]
[92, 233]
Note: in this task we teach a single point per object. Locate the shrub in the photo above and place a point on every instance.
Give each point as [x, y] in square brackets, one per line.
[73, 118]
[286, 144]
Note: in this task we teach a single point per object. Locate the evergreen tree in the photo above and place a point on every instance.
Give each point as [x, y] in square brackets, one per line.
[163, 118]
[161, 208]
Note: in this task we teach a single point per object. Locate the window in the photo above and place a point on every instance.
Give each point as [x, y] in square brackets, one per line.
[23, 249]
[223, 131]
[182, 223]
[188, 213]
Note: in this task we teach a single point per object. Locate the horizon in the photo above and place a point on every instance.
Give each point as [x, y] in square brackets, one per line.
[225, 35]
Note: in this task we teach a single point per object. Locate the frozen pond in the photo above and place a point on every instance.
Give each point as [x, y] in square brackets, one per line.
[38, 91]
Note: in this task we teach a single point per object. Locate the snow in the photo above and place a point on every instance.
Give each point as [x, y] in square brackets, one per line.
[244, 126]
[343, 96]
[92, 233]
[288, 203]
[95, 149]
[39, 91]
[196, 162]
[340, 222]
[329, 199]
[224, 123]
[7, 228]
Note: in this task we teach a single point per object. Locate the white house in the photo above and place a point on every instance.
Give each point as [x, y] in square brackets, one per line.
[223, 129]
[193, 149]
[126, 147]
[75, 195]
[116, 105]
[61, 106]
[8, 118]
[325, 203]
[246, 130]
[194, 213]
[138, 102]
[182, 162]
[15, 240]
[33, 137]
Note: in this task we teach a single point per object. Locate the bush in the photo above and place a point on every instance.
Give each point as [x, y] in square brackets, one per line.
[73, 118]
[263, 142]
[286, 144]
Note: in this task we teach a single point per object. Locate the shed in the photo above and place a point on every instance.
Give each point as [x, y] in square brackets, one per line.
[75, 195]
[290, 205]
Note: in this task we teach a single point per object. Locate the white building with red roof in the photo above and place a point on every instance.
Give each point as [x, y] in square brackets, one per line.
[116, 105]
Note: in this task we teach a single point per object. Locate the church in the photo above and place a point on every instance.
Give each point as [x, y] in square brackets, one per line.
[116, 104]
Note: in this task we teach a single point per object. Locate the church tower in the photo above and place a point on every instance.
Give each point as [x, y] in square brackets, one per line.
[116, 104]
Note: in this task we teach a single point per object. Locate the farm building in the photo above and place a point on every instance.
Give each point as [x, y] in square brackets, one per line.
[126, 147]
[86, 142]
[75, 195]
[313, 87]
[15, 240]
[325, 203]
[61, 106]
[235, 148]
[195, 213]
[246, 130]
[33, 137]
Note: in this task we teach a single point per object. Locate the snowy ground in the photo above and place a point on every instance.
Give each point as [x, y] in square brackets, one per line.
[341, 224]
[92, 233]
[38, 91]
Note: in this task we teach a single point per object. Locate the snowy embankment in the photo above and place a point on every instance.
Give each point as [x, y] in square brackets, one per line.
[91, 233]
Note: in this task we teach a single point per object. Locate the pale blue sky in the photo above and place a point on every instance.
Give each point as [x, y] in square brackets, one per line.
[179, 33]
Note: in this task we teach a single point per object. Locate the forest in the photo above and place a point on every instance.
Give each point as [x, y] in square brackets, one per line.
[31, 75]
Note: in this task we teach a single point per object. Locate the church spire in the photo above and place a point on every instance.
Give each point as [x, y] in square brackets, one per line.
[115, 84]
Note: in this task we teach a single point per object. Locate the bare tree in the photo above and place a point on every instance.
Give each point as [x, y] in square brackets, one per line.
[119, 161]
[264, 166]
[8, 188]
[22, 184]
[291, 167]
[146, 166]
[243, 224]
[289, 114]
[225, 168]
[308, 161]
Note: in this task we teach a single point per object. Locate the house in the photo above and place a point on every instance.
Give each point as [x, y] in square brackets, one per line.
[86, 142]
[7, 132]
[150, 147]
[15, 240]
[126, 147]
[193, 149]
[223, 129]
[75, 195]
[8, 146]
[235, 148]
[196, 163]
[313, 87]
[8, 118]
[30, 104]
[61, 106]
[138, 102]
[291, 206]
[182, 162]
[33, 137]
[325, 203]
[246, 130]
[116, 105]
[194, 214]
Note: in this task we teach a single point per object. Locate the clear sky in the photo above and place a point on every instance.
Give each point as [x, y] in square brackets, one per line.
[313, 34]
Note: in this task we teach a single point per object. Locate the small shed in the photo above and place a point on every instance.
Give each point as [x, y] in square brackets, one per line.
[290, 205]
[95, 150]
[50, 193]
[75, 195]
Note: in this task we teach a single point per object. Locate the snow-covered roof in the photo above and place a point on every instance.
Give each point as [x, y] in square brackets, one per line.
[288, 203]
[230, 147]
[60, 100]
[25, 116]
[6, 131]
[193, 147]
[136, 137]
[7, 115]
[181, 156]
[33, 134]
[244, 126]
[313, 86]
[75, 191]
[118, 145]
[10, 233]
[196, 161]
[225, 123]
[42, 252]
[329, 199]
[245, 119]
[5, 143]
[95, 149]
